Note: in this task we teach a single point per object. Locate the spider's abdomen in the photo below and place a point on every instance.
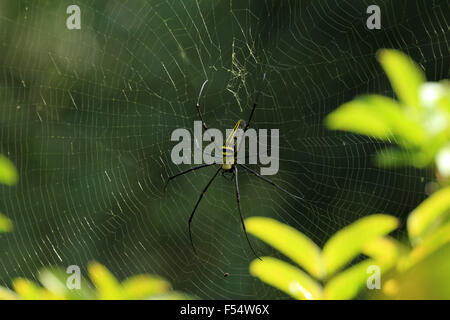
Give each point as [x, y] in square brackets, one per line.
[228, 157]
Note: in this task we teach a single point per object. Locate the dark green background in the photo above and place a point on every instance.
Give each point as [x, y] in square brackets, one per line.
[86, 116]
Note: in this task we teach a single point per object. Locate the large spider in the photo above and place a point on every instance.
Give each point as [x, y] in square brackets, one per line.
[229, 165]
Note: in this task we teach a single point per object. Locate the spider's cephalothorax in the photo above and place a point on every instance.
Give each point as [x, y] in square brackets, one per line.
[229, 164]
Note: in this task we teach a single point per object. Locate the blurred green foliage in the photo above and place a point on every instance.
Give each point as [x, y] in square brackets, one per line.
[322, 275]
[10, 177]
[103, 285]
[8, 172]
[420, 124]
[322, 265]
[5, 224]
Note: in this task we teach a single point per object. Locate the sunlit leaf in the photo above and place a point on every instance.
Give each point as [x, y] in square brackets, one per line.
[358, 117]
[428, 213]
[172, 295]
[427, 279]
[107, 285]
[6, 225]
[404, 74]
[57, 284]
[52, 283]
[394, 157]
[30, 290]
[384, 250]
[443, 161]
[144, 286]
[286, 278]
[435, 95]
[288, 241]
[407, 131]
[443, 101]
[55, 281]
[431, 243]
[377, 116]
[347, 284]
[6, 294]
[348, 242]
[8, 172]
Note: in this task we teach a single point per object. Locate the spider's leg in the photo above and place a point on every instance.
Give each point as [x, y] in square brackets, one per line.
[238, 198]
[247, 125]
[198, 107]
[272, 183]
[196, 205]
[184, 172]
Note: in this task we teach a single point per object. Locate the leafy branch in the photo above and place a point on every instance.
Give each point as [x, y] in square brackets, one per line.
[419, 123]
[104, 285]
[322, 273]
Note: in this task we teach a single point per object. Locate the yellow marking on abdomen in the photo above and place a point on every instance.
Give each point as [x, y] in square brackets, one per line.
[228, 157]
[227, 151]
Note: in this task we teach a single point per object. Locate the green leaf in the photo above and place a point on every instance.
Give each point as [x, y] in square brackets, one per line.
[108, 287]
[30, 290]
[286, 278]
[348, 242]
[347, 284]
[408, 131]
[377, 116]
[428, 213]
[404, 74]
[6, 294]
[435, 95]
[393, 157]
[428, 279]
[172, 295]
[5, 224]
[384, 250]
[434, 241]
[288, 241]
[358, 117]
[55, 281]
[144, 286]
[443, 161]
[8, 172]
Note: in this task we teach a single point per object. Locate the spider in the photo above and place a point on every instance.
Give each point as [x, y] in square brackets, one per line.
[229, 151]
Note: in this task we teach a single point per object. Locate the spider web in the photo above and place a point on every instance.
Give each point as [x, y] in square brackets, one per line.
[87, 115]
